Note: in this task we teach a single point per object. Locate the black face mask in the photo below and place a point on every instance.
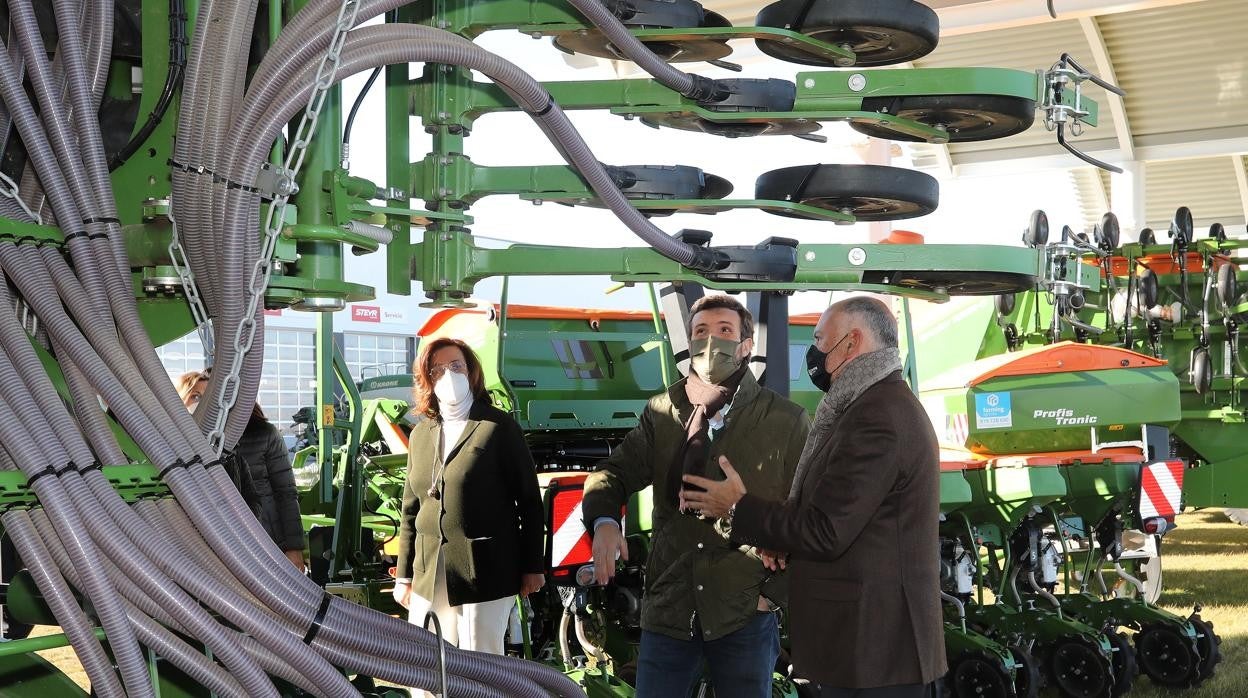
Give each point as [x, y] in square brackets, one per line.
[816, 363]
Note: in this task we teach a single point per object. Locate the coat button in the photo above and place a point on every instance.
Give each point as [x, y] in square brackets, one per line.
[699, 546]
[699, 587]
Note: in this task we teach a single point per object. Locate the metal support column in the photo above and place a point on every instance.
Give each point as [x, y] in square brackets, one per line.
[770, 362]
[676, 299]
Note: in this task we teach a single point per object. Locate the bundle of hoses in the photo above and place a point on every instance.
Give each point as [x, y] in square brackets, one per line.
[198, 565]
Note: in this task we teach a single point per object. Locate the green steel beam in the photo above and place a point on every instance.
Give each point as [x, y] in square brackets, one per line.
[449, 265]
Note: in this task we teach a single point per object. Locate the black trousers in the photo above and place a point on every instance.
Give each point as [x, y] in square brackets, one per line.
[912, 690]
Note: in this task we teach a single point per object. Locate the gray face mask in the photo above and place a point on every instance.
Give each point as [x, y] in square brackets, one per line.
[714, 358]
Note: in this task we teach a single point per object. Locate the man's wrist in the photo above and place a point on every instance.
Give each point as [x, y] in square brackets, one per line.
[604, 520]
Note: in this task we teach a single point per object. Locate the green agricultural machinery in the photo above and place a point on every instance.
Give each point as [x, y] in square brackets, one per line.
[116, 236]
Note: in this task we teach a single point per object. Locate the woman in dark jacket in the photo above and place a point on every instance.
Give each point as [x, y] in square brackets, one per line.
[471, 533]
[267, 480]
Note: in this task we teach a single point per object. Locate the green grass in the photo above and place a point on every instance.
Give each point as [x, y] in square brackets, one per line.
[1205, 561]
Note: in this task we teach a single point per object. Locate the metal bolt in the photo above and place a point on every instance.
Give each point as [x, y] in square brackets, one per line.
[857, 82]
[444, 282]
[536, 35]
[444, 160]
[800, 121]
[810, 256]
[443, 24]
[808, 83]
[442, 115]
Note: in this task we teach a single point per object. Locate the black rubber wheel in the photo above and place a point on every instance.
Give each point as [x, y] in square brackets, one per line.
[955, 283]
[1166, 656]
[1148, 237]
[974, 676]
[879, 32]
[1079, 670]
[1005, 303]
[869, 192]
[1028, 681]
[655, 14]
[1147, 289]
[1123, 663]
[965, 117]
[1109, 233]
[1208, 645]
[1181, 226]
[1228, 286]
[1201, 371]
[1217, 231]
[1037, 232]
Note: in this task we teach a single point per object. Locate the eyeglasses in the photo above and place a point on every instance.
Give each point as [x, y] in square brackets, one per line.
[455, 366]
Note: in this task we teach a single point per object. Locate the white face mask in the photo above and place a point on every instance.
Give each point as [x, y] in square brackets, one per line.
[452, 388]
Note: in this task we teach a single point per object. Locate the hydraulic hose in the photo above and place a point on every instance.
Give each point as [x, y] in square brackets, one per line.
[56, 594]
[696, 87]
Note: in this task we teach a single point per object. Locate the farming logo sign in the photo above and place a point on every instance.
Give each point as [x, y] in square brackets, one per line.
[992, 411]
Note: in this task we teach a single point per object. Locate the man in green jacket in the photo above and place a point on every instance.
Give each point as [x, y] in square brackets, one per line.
[706, 599]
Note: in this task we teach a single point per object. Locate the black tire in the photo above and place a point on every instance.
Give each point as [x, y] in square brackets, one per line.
[965, 117]
[1181, 226]
[1110, 233]
[1148, 237]
[1028, 681]
[1148, 289]
[1217, 231]
[1125, 668]
[1208, 645]
[1228, 286]
[879, 32]
[974, 676]
[1167, 656]
[1079, 670]
[869, 192]
[1201, 371]
[1037, 232]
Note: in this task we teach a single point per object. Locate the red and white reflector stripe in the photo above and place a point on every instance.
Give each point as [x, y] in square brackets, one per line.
[570, 543]
[1161, 489]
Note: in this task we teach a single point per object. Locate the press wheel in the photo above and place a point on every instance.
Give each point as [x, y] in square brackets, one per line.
[1027, 677]
[964, 117]
[879, 32]
[1078, 669]
[1167, 656]
[1228, 286]
[1123, 663]
[1181, 226]
[1208, 645]
[1201, 371]
[869, 192]
[976, 676]
[1148, 237]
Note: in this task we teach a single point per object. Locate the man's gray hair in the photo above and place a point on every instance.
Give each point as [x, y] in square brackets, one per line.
[874, 316]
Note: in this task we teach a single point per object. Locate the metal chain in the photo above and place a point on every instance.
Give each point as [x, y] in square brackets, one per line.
[245, 335]
[8, 189]
[203, 323]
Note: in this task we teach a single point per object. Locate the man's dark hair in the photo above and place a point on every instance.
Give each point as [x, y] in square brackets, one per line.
[722, 301]
[875, 317]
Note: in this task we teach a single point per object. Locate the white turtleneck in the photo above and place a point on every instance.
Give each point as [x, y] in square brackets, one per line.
[454, 419]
